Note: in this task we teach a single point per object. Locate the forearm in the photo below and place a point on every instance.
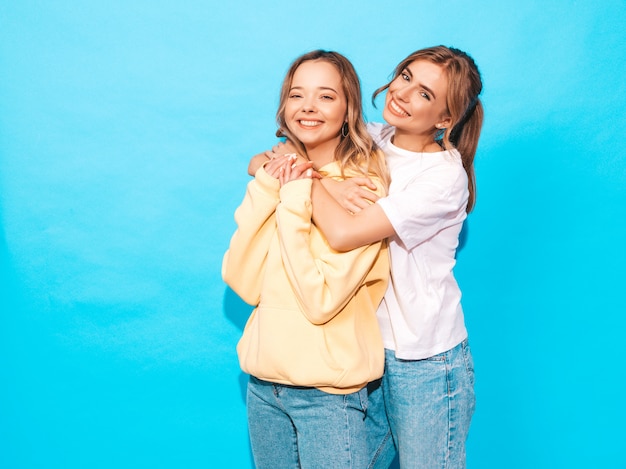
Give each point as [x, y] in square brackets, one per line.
[256, 162]
[331, 218]
[345, 231]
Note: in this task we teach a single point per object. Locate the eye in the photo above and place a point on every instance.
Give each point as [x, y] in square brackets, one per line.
[327, 97]
[425, 95]
[294, 96]
[405, 76]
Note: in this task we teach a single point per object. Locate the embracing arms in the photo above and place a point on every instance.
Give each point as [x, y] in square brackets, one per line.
[323, 280]
[345, 230]
[345, 211]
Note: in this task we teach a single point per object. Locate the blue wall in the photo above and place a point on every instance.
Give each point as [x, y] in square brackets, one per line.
[125, 131]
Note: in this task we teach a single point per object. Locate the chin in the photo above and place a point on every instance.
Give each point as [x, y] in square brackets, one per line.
[390, 118]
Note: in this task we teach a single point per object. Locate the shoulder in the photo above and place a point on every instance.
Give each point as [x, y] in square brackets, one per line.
[446, 162]
[452, 165]
[380, 132]
[446, 172]
[438, 173]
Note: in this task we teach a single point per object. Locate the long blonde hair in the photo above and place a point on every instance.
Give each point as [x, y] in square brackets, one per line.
[356, 150]
[463, 104]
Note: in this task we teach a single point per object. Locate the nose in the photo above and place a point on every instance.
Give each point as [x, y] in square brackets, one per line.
[308, 105]
[402, 93]
[402, 88]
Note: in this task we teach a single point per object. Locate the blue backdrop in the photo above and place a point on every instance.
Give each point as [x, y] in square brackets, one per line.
[125, 132]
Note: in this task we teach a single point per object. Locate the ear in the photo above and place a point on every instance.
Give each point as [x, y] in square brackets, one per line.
[444, 123]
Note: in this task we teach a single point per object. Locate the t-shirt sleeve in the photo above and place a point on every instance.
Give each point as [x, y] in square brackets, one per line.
[375, 130]
[433, 201]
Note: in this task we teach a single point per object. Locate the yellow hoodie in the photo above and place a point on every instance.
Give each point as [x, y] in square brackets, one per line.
[315, 318]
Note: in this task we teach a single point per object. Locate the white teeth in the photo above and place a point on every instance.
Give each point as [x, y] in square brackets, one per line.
[310, 123]
[397, 108]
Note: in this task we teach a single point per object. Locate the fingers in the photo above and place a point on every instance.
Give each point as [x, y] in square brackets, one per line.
[365, 198]
[352, 207]
[283, 147]
[301, 171]
[273, 167]
[277, 150]
[359, 200]
[293, 171]
[364, 181]
[286, 147]
[286, 170]
[358, 205]
[290, 167]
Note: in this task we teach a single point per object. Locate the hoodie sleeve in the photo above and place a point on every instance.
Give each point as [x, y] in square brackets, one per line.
[326, 281]
[244, 262]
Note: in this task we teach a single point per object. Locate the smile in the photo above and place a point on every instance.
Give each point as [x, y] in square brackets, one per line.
[308, 123]
[397, 109]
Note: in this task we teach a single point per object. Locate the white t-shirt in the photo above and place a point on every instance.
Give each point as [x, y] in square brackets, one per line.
[421, 315]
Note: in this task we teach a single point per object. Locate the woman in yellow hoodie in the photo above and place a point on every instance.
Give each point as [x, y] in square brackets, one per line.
[312, 344]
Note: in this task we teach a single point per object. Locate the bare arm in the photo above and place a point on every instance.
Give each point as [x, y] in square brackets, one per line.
[352, 194]
[256, 162]
[358, 221]
[343, 230]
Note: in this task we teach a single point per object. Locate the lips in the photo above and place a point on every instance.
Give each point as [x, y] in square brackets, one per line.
[309, 123]
[395, 108]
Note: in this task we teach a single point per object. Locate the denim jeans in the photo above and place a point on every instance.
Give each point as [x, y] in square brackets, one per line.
[300, 427]
[428, 405]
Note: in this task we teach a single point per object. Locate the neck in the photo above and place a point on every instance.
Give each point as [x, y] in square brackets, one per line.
[322, 154]
[414, 142]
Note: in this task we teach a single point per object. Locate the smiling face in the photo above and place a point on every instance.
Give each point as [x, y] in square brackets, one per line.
[316, 108]
[416, 105]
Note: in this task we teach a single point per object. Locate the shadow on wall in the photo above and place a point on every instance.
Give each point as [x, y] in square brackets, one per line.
[463, 236]
[237, 312]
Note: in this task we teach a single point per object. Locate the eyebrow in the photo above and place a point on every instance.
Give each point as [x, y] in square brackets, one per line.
[406, 69]
[321, 88]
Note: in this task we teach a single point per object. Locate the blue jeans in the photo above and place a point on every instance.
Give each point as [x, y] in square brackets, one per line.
[300, 427]
[428, 405]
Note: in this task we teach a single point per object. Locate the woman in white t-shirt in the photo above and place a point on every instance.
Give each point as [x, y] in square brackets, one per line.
[434, 117]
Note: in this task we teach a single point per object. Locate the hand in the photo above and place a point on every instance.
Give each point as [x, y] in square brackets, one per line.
[256, 162]
[275, 166]
[292, 170]
[282, 148]
[352, 194]
[277, 150]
